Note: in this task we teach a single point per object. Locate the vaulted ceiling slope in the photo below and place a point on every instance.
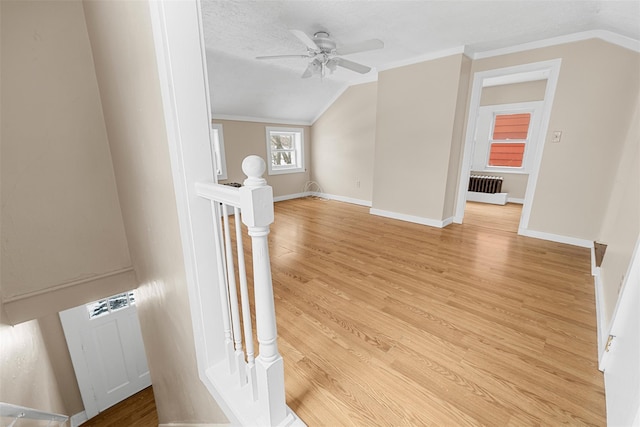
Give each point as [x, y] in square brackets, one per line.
[236, 32]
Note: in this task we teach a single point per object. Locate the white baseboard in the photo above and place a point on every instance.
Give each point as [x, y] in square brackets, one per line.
[583, 243]
[515, 200]
[411, 218]
[324, 196]
[78, 419]
[353, 201]
[192, 425]
[290, 196]
[493, 198]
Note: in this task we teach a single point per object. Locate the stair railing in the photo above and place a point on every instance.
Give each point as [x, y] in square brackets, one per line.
[254, 385]
[17, 412]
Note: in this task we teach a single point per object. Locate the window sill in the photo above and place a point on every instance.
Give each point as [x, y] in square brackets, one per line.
[286, 171]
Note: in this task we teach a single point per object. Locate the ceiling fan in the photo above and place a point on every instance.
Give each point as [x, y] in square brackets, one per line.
[325, 55]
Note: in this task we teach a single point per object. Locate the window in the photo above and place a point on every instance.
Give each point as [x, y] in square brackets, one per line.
[217, 151]
[107, 305]
[285, 149]
[509, 139]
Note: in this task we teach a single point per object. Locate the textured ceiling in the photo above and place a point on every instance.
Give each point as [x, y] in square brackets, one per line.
[238, 31]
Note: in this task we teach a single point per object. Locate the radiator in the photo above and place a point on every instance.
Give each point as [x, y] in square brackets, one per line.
[485, 184]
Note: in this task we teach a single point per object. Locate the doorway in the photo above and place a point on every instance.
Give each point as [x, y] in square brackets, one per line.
[547, 71]
[107, 352]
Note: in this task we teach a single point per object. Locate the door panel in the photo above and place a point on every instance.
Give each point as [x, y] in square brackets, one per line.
[107, 353]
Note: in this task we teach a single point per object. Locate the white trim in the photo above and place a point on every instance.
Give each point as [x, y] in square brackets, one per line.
[601, 330]
[422, 58]
[192, 425]
[344, 199]
[290, 197]
[492, 198]
[223, 157]
[517, 200]
[179, 45]
[607, 36]
[530, 76]
[575, 241]
[553, 66]
[411, 218]
[78, 419]
[261, 120]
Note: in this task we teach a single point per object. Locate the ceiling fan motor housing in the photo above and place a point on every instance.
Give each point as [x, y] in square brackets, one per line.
[326, 45]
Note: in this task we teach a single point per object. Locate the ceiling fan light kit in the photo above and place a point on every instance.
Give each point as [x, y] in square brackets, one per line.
[326, 56]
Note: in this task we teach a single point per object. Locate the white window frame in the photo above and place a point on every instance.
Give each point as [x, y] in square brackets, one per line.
[299, 151]
[480, 162]
[218, 157]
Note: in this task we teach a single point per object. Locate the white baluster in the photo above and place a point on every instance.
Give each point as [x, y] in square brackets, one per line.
[246, 309]
[256, 199]
[233, 298]
[224, 295]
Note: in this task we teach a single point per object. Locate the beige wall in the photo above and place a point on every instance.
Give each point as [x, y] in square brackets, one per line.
[61, 221]
[415, 120]
[242, 139]
[27, 377]
[594, 100]
[621, 226]
[124, 56]
[344, 142]
[457, 138]
[513, 93]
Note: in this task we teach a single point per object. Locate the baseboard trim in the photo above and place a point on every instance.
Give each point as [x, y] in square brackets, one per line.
[412, 218]
[290, 196]
[345, 199]
[78, 419]
[335, 197]
[492, 198]
[515, 200]
[192, 425]
[583, 243]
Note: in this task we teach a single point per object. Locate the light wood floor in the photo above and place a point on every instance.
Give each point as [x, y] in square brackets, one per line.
[496, 217]
[384, 322]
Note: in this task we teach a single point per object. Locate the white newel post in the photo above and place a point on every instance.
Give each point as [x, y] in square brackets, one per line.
[256, 200]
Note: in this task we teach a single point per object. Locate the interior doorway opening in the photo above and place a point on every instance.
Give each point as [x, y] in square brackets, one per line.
[505, 86]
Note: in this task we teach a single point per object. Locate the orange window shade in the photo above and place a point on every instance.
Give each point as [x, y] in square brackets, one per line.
[508, 155]
[511, 126]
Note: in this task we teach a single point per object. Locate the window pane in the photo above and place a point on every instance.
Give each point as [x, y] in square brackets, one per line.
[132, 297]
[118, 301]
[280, 141]
[509, 154]
[511, 126]
[282, 158]
[97, 308]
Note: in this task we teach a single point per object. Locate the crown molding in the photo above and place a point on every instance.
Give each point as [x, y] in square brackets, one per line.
[608, 36]
[422, 58]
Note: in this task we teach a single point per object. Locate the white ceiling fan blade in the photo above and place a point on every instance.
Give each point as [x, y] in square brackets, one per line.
[360, 47]
[304, 38]
[314, 67]
[281, 56]
[308, 72]
[353, 66]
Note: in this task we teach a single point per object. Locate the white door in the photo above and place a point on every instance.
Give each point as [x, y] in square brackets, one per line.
[621, 361]
[107, 351]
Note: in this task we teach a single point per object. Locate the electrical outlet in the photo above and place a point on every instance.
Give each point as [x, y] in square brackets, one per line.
[357, 184]
[557, 135]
